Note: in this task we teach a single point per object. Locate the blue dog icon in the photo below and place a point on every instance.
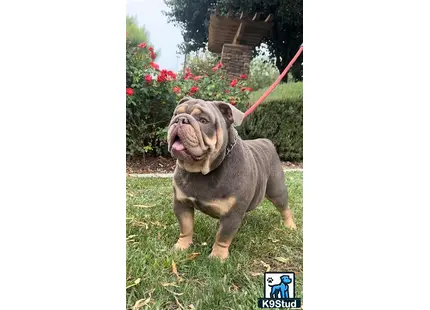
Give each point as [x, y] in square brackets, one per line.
[281, 288]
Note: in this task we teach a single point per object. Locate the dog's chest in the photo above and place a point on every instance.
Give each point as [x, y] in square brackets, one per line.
[211, 198]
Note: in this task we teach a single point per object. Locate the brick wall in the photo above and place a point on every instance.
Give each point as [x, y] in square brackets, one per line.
[236, 59]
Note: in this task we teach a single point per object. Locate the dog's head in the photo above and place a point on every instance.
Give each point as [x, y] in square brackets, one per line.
[198, 132]
[285, 279]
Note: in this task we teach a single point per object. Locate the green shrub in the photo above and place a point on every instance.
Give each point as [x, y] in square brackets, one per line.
[150, 101]
[282, 91]
[280, 119]
[262, 73]
[214, 87]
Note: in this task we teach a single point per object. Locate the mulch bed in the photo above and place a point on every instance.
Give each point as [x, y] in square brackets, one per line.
[167, 165]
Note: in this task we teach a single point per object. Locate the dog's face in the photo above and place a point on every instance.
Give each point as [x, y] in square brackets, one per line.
[198, 132]
[285, 279]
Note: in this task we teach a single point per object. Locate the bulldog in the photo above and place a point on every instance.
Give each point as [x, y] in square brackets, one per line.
[220, 174]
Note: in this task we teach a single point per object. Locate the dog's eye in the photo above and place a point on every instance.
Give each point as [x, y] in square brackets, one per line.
[203, 121]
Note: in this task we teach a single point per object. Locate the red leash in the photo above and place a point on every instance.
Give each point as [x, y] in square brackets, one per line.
[272, 87]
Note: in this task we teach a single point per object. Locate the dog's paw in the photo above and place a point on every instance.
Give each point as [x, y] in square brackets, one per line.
[290, 224]
[220, 257]
[182, 245]
[219, 253]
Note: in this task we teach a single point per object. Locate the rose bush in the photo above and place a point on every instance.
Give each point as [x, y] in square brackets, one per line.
[151, 96]
[150, 101]
[214, 87]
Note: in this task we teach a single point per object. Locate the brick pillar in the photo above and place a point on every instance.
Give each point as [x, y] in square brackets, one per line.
[236, 59]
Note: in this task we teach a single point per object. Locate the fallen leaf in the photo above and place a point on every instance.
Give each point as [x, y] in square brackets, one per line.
[191, 307]
[265, 265]
[140, 224]
[136, 282]
[174, 293]
[282, 259]
[255, 274]
[204, 243]
[169, 284]
[178, 303]
[193, 255]
[157, 223]
[175, 270]
[234, 287]
[158, 236]
[143, 206]
[141, 302]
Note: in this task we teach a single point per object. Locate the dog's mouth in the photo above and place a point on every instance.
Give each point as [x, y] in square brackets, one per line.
[180, 149]
[177, 145]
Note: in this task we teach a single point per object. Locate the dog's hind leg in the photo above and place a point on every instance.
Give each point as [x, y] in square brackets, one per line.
[277, 193]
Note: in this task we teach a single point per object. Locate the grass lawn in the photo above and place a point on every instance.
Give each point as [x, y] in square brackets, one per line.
[203, 283]
[282, 91]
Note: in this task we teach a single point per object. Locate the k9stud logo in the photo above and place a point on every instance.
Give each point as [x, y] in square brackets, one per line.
[279, 291]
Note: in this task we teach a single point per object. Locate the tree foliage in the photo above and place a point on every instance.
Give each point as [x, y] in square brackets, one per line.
[262, 69]
[285, 37]
[135, 33]
[202, 62]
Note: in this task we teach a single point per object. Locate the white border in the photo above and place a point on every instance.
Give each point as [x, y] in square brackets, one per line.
[366, 112]
[62, 127]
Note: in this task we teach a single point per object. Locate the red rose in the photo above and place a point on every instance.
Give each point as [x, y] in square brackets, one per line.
[246, 88]
[196, 78]
[148, 78]
[171, 74]
[129, 91]
[155, 66]
[153, 55]
[151, 48]
[218, 66]
[161, 78]
[194, 89]
[188, 74]
[176, 89]
[233, 83]
[141, 45]
[243, 76]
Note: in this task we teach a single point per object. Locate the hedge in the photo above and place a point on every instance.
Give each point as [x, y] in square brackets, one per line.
[281, 121]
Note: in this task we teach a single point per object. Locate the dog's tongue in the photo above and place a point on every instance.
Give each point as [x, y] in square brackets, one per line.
[178, 146]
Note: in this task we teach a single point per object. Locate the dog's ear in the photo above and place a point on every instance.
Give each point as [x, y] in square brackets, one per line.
[231, 114]
[185, 99]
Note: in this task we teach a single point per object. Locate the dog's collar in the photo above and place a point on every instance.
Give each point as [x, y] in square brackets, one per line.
[231, 146]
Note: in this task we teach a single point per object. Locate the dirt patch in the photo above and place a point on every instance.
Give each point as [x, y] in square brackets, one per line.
[167, 165]
[151, 165]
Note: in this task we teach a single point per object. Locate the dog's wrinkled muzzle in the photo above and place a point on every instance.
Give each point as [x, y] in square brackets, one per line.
[184, 138]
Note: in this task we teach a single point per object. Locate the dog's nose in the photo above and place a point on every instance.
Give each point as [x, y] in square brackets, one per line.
[182, 120]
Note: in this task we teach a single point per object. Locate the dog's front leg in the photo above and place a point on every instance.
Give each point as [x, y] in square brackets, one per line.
[185, 214]
[229, 225]
[283, 292]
